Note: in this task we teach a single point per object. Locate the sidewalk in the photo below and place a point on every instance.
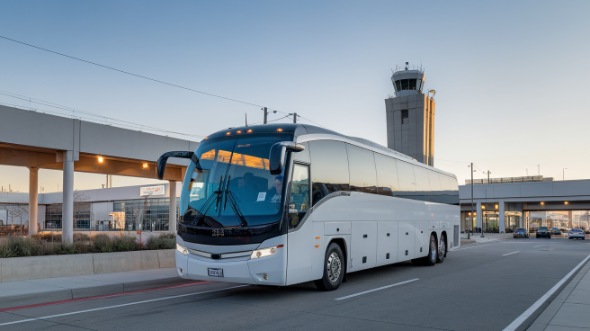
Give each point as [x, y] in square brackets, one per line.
[37, 291]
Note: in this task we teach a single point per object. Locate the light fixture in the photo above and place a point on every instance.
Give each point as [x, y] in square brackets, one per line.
[145, 165]
[542, 203]
[100, 159]
[566, 203]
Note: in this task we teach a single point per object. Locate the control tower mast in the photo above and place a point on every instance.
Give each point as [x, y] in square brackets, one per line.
[410, 115]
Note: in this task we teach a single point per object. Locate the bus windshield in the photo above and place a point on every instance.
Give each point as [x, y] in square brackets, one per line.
[232, 185]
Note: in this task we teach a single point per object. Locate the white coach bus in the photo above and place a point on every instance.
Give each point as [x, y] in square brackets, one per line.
[291, 203]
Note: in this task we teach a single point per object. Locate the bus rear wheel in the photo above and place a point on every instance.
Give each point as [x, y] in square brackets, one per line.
[432, 256]
[333, 269]
[442, 249]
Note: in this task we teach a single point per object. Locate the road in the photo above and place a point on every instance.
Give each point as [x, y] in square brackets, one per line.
[478, 287]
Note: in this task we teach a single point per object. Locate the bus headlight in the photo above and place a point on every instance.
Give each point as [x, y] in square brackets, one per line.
[265, 252]
[181, 249]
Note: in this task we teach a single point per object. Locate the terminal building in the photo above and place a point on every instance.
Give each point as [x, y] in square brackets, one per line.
[501, 205]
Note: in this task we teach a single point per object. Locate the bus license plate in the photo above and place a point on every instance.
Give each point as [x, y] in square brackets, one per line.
[215, 272]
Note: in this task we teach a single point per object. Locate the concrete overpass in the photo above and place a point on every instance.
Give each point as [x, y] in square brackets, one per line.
[41, 141]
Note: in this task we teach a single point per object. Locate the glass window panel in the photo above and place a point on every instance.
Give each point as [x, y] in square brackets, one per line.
[386, 175]
[363, 177]
[329, 168]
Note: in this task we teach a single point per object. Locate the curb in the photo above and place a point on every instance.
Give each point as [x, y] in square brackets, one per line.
[12, 302]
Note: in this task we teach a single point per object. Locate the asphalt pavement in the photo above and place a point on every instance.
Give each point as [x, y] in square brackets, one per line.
[565, 307]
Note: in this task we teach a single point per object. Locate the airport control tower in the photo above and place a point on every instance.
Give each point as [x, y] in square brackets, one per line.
[410, 115]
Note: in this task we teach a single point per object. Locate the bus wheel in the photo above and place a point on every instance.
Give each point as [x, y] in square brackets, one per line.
[333, 269]
[442, 249]
[432, 252]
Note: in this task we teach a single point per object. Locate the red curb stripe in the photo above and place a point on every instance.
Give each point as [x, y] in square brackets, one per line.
[59, 302]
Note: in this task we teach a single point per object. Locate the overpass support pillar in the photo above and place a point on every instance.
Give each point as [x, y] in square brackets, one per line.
[501, 218]
[478, 219]
[67, 212]
[33, 200]
[172, 207]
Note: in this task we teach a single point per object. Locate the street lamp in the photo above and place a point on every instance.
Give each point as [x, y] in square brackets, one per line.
[472, 209]
[483, 208]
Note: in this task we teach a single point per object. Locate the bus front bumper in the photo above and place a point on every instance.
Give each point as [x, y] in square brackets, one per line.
[266, 270]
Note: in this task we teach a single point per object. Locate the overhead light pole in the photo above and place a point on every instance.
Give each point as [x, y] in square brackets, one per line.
[472, 209]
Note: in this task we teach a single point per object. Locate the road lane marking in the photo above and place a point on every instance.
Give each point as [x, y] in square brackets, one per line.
[471, 247]
[117, 306]
[104, 296]
[507, 254]
[529, 312]
[377, 289]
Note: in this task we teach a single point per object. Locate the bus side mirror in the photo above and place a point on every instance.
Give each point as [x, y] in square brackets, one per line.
[164, 157]
[277, 155]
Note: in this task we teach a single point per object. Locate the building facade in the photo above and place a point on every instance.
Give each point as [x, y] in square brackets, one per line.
[504, 204]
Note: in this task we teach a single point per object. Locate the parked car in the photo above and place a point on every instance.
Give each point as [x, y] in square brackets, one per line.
[520, 233]
[576, 234]
[543, 232]
[556, 231]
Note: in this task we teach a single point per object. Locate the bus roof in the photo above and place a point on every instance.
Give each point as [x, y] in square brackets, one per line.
[298, 129]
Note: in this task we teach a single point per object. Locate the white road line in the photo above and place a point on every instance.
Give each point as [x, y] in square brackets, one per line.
[471, 247]
[507, 254]
[524, 316]
[377, 289]
[116, 306]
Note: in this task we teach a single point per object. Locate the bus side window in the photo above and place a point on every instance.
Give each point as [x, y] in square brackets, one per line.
[299, 197]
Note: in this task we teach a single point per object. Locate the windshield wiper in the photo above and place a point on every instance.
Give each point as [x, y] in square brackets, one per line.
[195, 217]
[234, 205]
[202, 216]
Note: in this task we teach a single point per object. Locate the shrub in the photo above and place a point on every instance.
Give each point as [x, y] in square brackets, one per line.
[125, 243]
[163, 241]
[48, 236]
[81, 237]
[102, 243]
[20, 246]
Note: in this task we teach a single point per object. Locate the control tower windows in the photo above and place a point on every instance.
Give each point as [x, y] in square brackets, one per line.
[407, 84]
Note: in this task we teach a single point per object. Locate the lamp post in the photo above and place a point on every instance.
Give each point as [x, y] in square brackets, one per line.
[472, 209]
[483, 207]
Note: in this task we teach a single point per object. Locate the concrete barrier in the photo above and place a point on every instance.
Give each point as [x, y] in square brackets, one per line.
[50, 266]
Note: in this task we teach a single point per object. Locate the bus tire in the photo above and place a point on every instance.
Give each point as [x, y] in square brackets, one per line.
[432, 256]
[442, 249]
[334, 269]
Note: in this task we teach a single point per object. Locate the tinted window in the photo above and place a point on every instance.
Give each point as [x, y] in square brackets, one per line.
[329, 168]
[436, 192]
[450, 190]
[299, 195]
[422, 184]
[363, 177]
[406, 179]
[387, 182]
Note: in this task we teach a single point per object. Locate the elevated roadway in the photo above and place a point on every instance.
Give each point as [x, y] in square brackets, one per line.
[41, 141]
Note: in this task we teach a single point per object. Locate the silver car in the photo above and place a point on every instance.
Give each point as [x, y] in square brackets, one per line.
[576, 234]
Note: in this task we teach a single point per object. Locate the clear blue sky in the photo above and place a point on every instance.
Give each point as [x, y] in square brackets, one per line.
[511, 77]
